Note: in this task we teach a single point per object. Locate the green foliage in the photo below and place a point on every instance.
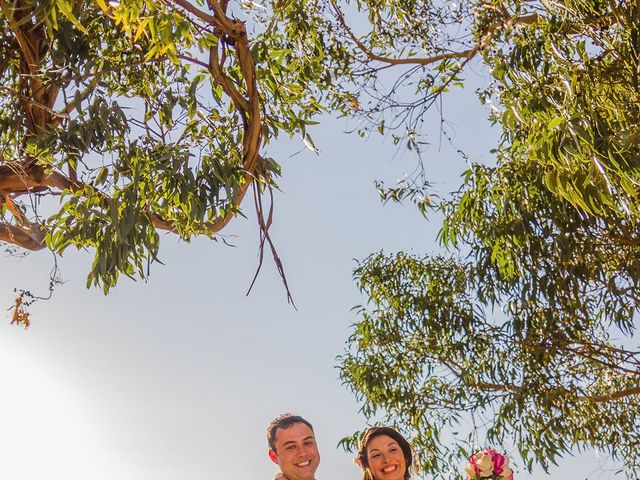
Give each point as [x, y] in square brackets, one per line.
[522, 334]
[128, 117]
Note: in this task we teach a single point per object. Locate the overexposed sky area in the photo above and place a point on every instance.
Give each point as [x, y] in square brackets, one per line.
[177, 378]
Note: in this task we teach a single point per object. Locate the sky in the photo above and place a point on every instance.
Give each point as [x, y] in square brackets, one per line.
[178, 377]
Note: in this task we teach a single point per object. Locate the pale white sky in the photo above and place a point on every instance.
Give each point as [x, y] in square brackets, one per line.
[178, 378]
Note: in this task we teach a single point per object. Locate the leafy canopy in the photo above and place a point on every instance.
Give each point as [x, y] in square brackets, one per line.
[522, 333]
[119, 119]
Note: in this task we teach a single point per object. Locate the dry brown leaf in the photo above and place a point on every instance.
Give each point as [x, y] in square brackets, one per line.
[20, 314]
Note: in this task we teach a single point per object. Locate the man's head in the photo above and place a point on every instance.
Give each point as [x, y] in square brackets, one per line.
[292, 446]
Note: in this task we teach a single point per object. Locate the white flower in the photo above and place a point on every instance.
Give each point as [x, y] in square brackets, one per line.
[484, 464]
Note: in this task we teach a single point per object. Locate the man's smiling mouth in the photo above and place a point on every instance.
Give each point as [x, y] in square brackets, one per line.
[304, 464]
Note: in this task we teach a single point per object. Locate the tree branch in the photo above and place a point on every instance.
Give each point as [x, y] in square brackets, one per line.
[27, 49]
[27, 238]
[615, 396]
[467, 54]
[496, 387]
[204, 16]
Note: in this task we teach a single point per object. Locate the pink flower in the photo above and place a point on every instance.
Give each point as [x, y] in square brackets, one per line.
[498, 460]
[472, 469]
[488, 464]
[483, 464]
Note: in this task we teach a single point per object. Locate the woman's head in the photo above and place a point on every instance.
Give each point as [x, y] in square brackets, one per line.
[384, 454]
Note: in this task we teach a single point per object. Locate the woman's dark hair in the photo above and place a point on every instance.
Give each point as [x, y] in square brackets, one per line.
[375, 432]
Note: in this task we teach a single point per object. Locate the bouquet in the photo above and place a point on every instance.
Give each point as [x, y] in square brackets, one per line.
[489, 464]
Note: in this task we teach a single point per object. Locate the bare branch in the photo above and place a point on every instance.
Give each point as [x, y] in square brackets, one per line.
[204, 16]
[467, 54]
[27, 238]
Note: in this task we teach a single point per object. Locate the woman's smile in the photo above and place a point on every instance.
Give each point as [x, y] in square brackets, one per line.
[385, 458]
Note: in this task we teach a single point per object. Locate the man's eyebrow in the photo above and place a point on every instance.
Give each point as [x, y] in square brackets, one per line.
[310, 437]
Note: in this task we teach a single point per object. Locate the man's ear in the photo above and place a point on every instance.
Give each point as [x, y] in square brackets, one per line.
[274, 457]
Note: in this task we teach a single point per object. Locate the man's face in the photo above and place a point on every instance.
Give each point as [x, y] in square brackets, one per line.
[296, 452]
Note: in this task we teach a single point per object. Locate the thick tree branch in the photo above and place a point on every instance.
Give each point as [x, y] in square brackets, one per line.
[27, 238]
[26, 46]
[16, 178]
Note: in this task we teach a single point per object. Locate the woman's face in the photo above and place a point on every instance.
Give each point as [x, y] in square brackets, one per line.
[385, 458]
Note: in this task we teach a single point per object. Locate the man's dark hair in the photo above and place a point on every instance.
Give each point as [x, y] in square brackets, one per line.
[283, 421]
